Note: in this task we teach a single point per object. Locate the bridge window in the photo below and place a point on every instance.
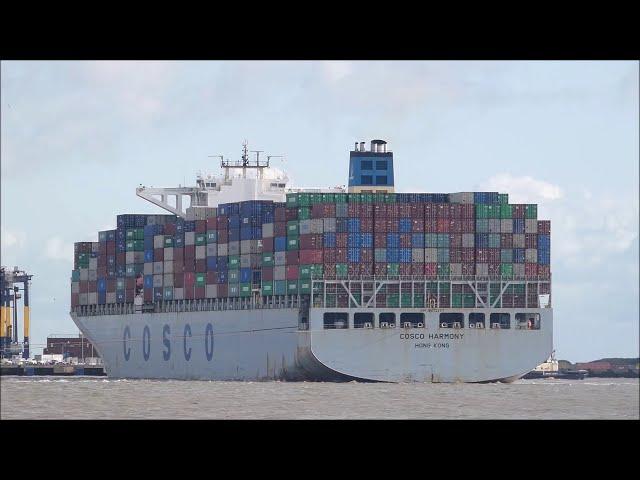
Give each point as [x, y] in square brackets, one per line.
[387, 320]
[500, 320]
[363, 320]
[476, 320]
[366, 165]
[452, 320]
[528, 321]
[381, 180]
[414, 320]
[336, 320]
[367, 179]
[381, 165]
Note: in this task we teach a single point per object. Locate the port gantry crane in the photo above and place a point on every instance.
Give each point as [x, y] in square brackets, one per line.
[9, 280]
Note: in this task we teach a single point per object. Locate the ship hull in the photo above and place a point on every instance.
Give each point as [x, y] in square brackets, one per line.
[267, 344]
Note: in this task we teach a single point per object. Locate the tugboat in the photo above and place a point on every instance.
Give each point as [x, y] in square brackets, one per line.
[550, 369]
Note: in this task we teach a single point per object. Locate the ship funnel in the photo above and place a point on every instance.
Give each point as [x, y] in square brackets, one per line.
[362, 147]
[356, 148]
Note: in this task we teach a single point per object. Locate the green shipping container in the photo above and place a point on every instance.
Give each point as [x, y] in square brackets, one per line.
[531, 211]
[292, 228]
[234, 261]
[506, 211]
[443, 270]
[292, 286]
[393, 269]
[445, 287]
[168, 242]
[341, 270]
[305, 286]
[304, 200]
[331, 301]
[305, 271]
[328, 198]
[292, 200]
[357, 297]
[340, 198]
[201, 239]
[245, 289]
[120, 284]
[212, 236]
[506, 269]
[201, 279]
[317, 270]
[234, 276]
[267, 259]
[456, 300]
[292, 244]
[168, 293]
[280, 287]
[233, 289]
[267, 289]
[503, 198]
[354, 198]
[482, 211]
[75, 275]
[469, 300]
[130, 245]
[393, 300]
[304, 213]
[493, 211]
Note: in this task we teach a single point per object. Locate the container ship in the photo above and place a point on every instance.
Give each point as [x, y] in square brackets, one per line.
[256, 280]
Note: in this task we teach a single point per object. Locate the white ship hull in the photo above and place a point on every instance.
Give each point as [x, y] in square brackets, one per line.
[266, 344]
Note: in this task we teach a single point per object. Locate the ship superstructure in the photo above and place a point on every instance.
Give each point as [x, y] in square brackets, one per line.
[258, 280]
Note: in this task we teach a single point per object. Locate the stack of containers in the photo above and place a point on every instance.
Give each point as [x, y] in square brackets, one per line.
[278, 247]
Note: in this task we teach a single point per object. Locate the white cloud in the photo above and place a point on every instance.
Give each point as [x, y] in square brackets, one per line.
[58, 249]
[523, 189]
[13, 239]
[335, 71]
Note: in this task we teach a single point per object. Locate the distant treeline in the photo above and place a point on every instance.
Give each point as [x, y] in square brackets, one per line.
[606, 367]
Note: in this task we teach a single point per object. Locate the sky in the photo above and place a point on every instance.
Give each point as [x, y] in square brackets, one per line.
[77, 137]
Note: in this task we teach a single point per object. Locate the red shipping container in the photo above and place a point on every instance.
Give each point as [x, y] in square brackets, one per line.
[366, 255]
[455, 225]
[178, 280]
[430, 269]
[455, 255]
[102, 248]
[493, 255]
[405, 240]
[455, 240]
[267, 244]
[430, 211]
[148, 295]
[544, 227]
[212, 277]
[170, 229]
[404, 210]
[506, 240]
[178, 266]
[442, 210]
[291, 214]
[353, 269]
[75, 299]
[199, 293]
[417, 225]
[404, 269]
[201, 265]
[223, 236]
[482, 255]
[468, 255]
[341, 255]
[129, 295]
[431, 225]
[267, 274]
[111, 285]
[366, 269]
[102, 261]
[201, 226]
[530, 269]
[280, 229]
[222, 222]
[329, 255]
[189, 252]
[380, 225]
[417, 268]
[467, 210]
[121, 258]
[178, 254]
[517, 211]
[379, 210]
[443, 225]
[189, 292]
[544, 271]
[189, 266]
[279, 214]
[380, 269]
[223, 290]
[311, 241]
[291, 272]
[310, 256]
[189, 279]
[494, 269]
[530, 240]
[468, 269]
[342, 240]
[111, 248]
[366, 224]
[212, 223]
[158, 254]
[416, 210]
[329, 270]
[379, 240]
[455, 210]
[84, 286]
[291, 257]
[129, 283]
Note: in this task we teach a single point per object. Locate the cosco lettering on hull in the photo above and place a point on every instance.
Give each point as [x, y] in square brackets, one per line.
[165, 343]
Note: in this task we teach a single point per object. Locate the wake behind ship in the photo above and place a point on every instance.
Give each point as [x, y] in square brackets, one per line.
[256, 280]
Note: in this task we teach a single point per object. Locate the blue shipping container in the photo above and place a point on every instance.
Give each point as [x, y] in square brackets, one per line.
[280, 244]
[329, 240]
[404, 225]
[518, 225]
[393, 241]
[245, 275]
[417, 240]
[212, 263]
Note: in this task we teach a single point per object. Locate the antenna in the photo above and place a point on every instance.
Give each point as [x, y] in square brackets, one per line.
[257, 152]
[245, 157]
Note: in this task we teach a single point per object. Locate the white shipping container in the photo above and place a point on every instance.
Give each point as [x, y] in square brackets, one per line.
[168, 280]
[494, 225]
[279, 273]
[201, 252]
[223, 249]
[329, 224]
[147, 269]
[245, 261]
[506, 225]
[84, 274]
[157, 281]
[417, 255]
[190, 238]
[93, 275]
[212, 250]
[380, 255]
[518, 240]
[255, 246]
[158, 241]
[234, 248]
[279, 258]
[430, 255]
[531, 255]
[317, 225]
[178, 293]
[168, 254]
[211, 291]
[245, 246]
[531, 225]
[168, 267]
[83, 299]
[129, 257]
[482, 269]
[304, 227]
[455, 269]
[468, 240]
[93, 264]
[111, 297]
[256, 260]
[93, 298]
[518, 269]
[158, 267]
[75, 287]
[267, 230]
